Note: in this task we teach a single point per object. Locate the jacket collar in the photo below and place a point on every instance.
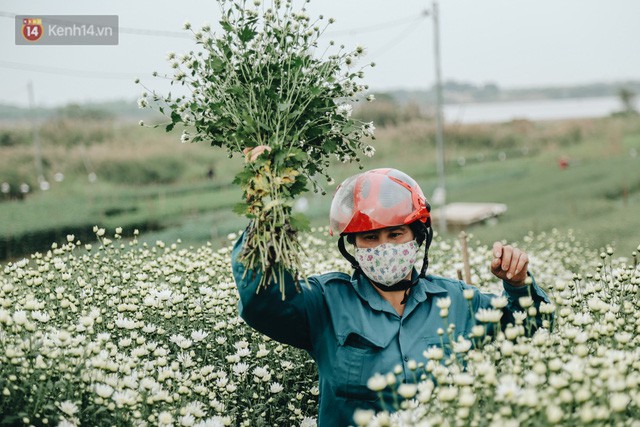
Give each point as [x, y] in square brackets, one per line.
[365, 290]
[428, 286]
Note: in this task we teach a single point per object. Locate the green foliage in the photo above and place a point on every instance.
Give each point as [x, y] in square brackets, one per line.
[259, 90]
[31, 225]
[597, 195]
[628, 100]
[10, 137]
[69, 132]
[157, 170]
[77, 111]
[14, 181]
[264, 86]
[387, 112]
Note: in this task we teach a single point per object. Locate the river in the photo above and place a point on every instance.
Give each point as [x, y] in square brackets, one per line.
[545, 109]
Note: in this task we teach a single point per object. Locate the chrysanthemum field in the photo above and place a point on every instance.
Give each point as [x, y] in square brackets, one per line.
[124, 333]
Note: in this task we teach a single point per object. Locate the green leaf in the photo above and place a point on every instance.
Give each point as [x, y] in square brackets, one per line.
[279, 157]
[169, 127]
[236, 90]
[246, 34]
[226, 26]
[297, 154]
[216, 64]
[349, 127]
[282, 106]
[264, 126]
[300, 185]
[11, 420]
[330, 146]
[240, 208]
[314, 90]
[299, 222]
[99, 410]
[295, 113]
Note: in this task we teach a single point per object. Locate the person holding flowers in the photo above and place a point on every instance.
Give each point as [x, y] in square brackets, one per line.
[383, 316]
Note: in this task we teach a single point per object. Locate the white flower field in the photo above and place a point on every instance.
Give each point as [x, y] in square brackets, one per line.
[123, 333]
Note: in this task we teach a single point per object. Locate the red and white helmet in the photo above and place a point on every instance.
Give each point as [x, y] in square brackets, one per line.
[376, 199]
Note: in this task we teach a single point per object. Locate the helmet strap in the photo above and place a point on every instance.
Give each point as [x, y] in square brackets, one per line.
[427, 245]
[403, 285]
[345, 253]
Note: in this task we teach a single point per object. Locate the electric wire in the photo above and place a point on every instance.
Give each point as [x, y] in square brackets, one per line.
[376, 27]
[176, 34]
[407, 31]
[67, 71]
[412, 21]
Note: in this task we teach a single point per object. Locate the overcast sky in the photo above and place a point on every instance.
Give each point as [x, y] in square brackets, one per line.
[513, 43]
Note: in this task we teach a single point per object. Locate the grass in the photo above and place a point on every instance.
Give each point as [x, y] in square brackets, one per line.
[597, 195]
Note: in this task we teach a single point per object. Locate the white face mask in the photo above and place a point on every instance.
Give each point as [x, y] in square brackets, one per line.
[388, 263]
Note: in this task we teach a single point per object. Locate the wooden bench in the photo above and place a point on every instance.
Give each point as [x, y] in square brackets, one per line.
[461, 215]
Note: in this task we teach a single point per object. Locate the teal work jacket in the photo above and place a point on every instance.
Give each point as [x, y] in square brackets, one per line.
[352, 332]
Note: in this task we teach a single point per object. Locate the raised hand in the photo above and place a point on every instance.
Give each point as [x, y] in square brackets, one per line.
[509, 264]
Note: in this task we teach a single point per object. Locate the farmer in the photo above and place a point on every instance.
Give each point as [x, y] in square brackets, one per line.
[385, 313]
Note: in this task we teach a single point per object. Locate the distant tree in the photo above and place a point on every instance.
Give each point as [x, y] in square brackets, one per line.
[488, 92]
[457, 86]
[386, 111]
[628, 99]
[77, 111]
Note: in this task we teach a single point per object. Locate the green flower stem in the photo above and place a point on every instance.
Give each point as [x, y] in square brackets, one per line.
[471, 313]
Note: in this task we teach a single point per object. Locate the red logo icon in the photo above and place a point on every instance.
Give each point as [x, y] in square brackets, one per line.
[32, 29]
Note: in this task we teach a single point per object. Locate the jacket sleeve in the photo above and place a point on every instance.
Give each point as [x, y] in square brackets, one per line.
[513, 295]
[287, 321]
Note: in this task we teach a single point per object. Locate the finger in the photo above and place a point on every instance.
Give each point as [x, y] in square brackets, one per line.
[497, 254]
[496, 267]
[513, 267]
[497, 249]
[522, 264]
[495, 264]
[507, 252]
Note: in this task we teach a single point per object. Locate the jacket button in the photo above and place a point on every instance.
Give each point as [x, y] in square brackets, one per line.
[406, 358]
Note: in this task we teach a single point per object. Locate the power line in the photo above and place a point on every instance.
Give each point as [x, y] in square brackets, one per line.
[376, 27]
[413, 21]
[129, 30]
[407, 31]
[157, 33]
[67, 71]
[185, 35]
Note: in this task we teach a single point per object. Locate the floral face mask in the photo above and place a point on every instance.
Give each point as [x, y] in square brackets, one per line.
[388, 263]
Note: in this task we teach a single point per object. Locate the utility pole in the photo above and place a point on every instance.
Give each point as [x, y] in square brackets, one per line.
[442, 196]
[42, 182]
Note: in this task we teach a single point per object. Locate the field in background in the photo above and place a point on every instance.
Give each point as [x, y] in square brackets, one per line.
[147, 179]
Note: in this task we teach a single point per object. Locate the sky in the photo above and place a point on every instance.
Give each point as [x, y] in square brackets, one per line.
[513, 43]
